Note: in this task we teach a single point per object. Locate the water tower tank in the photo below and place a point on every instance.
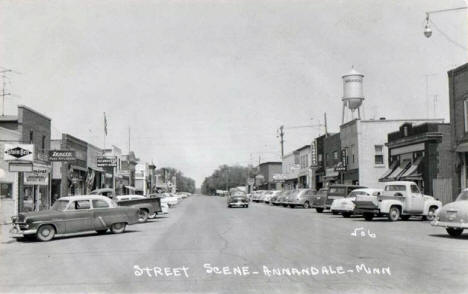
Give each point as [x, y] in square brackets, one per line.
[352, 89]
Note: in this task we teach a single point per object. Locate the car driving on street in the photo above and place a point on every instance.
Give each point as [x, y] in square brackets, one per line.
[237, 199]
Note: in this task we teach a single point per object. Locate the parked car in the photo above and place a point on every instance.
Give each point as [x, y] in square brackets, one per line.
[345, 206]
[108, 192]
[399, 199]
[170, 199]
[256, 195]
[301, 197]
[148, 207]
[281, 200]
[74, 214]
[325, 196]
[452, 215]
[237, 199]
[275, 198]
[269, 195]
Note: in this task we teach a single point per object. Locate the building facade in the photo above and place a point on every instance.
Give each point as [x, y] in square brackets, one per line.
[331, 158]
[304, 173]
[422, 154]
[31, 192]
[363, 143]
[267, 170]
[458, 101]
[289, 170]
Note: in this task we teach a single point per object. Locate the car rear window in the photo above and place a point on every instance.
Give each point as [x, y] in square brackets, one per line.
[337, 191]
[395, 188]
[100, 204]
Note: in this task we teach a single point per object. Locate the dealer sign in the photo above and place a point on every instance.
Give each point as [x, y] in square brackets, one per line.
[19, 152]
[62, 155]
[104, 161]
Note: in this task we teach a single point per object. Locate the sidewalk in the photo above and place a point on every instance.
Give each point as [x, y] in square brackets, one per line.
[4, 235]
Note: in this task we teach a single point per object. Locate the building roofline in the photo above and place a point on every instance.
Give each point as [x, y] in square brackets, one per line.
[303, 147]
[458, 69]
[402, 120]
[271, 162]
[35, 111]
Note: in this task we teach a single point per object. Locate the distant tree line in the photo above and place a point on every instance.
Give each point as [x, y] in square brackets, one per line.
[224, 178]
[184, 184]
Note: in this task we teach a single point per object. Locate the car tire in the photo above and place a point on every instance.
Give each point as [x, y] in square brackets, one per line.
[454, 232]
[394, 214]
[430, 214]
[101, 232]
[334, 212]
[45, 233]
[247, 206]
[142, 215]
[306, 205]
[346, 214]
[118, 228]
[368, 216]
[405, 217]
[319, 209]
[151, 216]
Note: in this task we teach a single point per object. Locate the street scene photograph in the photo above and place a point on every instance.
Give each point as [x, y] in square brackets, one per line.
[234, 146]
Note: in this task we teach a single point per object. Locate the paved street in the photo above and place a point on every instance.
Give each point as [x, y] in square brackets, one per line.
[411, 256]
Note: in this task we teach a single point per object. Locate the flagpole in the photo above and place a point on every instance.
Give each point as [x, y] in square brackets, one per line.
[105, 130]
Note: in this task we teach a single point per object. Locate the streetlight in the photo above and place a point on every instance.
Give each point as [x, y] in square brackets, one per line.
[427, 27]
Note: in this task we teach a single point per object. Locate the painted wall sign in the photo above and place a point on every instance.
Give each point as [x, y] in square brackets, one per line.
[104, 161]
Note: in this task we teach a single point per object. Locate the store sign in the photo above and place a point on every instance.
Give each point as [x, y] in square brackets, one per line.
[313, 151]
[37, 177]
[20, 166]
[340, 168]
[104, 161]
[344, 158]
[279, 177]
[19, 152]
[62, 155]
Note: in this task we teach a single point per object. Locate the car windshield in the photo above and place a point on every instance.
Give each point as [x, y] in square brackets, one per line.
[462, 196]
[60, 205]
[401, 188]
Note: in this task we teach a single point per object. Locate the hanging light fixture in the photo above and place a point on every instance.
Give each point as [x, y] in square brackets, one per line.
[427, 27]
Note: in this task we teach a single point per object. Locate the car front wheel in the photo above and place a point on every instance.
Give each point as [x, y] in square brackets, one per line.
[346, 214]
[454, 232]
[118, 228]
[430, 214]
[319, 209]
[394, 214]
[368, 216]
[306, 205]
[45, 233]
[151, 216]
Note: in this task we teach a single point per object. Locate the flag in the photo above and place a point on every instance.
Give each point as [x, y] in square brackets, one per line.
[105, 124]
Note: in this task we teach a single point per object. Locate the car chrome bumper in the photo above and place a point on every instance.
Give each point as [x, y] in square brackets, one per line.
[237, 204]
[16, 232]
[436, 223]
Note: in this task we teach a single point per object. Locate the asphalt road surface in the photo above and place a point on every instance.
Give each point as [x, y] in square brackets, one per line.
[262, 249]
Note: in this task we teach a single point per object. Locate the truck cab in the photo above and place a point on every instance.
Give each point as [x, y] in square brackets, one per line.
[400, 199]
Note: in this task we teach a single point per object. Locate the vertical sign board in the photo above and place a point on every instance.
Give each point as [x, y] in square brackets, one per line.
[344, 157]
[313, 151]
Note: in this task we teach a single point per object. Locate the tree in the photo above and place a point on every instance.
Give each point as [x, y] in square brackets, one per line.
[224, 178]
[184, 184]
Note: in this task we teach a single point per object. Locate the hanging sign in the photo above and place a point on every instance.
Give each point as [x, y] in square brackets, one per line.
[106, 161]
[19, 152]
[62, 155]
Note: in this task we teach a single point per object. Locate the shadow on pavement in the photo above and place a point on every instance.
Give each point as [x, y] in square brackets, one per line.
[447, 236]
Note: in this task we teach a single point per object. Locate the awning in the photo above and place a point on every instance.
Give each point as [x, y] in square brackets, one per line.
[397, 172]
[413, 170]
[388, 172]
[463, 147]
[130, 188]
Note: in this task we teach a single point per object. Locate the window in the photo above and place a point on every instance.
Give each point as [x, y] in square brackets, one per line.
[378, 159]
[6, 190]
[31, 136]
[414, 189]
[335, 154]
[100, 204]
[79, 205]
[401, 188]
[465, 106]
[320, 157]
[43, 143]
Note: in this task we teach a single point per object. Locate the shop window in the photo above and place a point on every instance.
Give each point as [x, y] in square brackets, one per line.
[6, 190]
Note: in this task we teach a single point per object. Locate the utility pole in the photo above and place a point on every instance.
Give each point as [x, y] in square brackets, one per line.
[281, 135]
[325, 123]
[4, 77]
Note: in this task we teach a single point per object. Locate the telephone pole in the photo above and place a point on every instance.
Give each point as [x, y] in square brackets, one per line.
[281, 135]
[4, 93]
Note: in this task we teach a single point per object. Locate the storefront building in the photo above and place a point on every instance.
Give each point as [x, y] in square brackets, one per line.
[363, 143]
[304, 173]
[96, 175]
[458, 95]
[290, 169]
[267, 170]
[422, 154]
[332, 158]
[72, 174]
[127, 172]
[317, 162]
[32, 191]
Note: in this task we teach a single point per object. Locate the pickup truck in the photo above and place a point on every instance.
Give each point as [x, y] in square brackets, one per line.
[146, 206]
[325, 196]
[400, 199]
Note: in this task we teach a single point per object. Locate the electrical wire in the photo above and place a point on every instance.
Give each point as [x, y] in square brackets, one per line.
[448, 37]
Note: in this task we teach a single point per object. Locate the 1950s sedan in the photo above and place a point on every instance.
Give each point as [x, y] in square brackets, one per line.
[454, 215]
[74, 214]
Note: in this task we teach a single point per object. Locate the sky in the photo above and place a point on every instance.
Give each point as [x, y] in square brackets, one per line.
[205, 83]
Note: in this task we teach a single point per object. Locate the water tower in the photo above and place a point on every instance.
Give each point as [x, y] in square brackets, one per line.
[352, 93]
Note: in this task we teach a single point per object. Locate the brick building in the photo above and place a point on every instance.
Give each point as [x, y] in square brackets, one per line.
[267, 170]
[422, 154]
